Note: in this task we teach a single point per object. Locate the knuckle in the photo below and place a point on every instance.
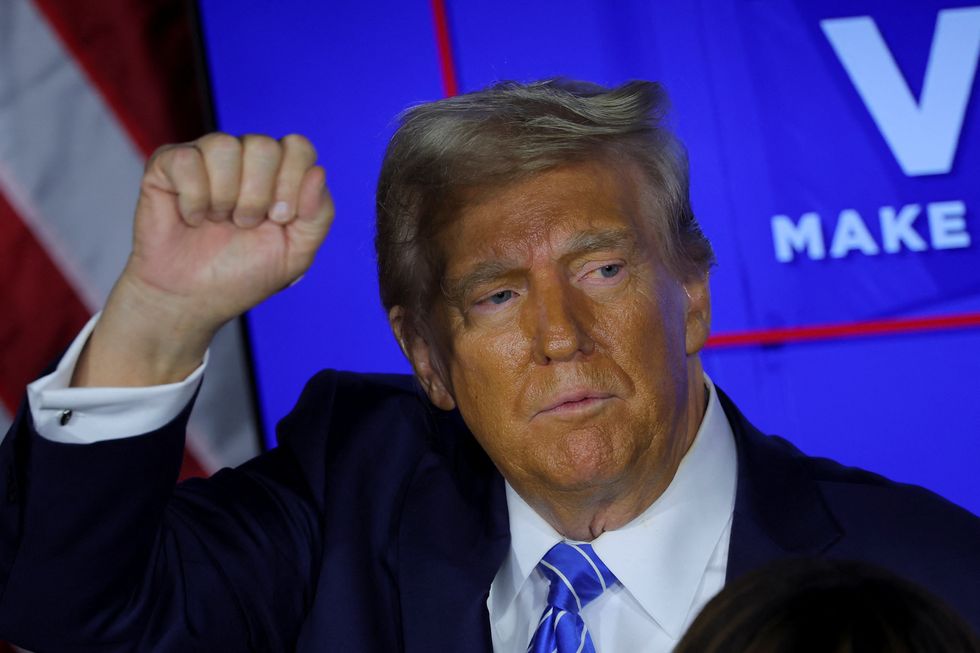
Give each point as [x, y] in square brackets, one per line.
[158, 153]
[224, 192]
[185, 158]
[222, 204]
[250, 205]
[299, 146]
[254, 195]
[220, 145]
[264, 147]
[251, 208]
[256, 188]
[194, 198]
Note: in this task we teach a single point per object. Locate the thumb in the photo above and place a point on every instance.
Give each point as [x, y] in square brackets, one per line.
[315, 210]
[314, 215]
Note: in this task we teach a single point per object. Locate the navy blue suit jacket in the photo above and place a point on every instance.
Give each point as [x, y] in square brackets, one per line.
[377, 525]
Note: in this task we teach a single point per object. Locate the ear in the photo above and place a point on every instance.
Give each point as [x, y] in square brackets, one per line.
[698, 317]
[421, 355]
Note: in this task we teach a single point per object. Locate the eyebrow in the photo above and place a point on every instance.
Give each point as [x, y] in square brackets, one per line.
[587, 242]
[457, 290]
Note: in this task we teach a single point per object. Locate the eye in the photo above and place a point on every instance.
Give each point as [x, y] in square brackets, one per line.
[603, 274]
[496, 302]
[610, 271]
[500, 297]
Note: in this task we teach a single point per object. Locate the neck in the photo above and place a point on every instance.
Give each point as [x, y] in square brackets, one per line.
[584, 515]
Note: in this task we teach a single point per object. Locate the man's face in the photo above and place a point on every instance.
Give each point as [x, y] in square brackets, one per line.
[571, 343]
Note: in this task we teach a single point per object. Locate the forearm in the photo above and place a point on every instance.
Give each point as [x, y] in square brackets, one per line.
[84, 415]
[89, 473]
[78, 531]
[142, 339]
[100, 551]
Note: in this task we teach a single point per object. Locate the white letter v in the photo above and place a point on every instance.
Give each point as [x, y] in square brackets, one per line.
[922, 135]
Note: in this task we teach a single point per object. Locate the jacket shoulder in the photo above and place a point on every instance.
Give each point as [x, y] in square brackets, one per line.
[912, 520]
[351, 429]
[865, 501]
[350, 404]
[817, 506]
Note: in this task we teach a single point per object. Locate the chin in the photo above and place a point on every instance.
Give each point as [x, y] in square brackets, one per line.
[586, 460]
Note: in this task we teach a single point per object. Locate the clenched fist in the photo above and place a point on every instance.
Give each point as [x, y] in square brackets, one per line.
[221, 224]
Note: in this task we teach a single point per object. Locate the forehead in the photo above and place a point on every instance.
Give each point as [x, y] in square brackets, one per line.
[545, 210]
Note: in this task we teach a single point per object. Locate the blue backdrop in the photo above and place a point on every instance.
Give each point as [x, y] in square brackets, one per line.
[835, 152]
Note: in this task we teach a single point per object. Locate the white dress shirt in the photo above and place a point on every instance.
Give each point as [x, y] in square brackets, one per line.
[98, 414]
[670, 560]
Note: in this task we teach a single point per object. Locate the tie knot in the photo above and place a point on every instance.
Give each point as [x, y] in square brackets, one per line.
[577, 575]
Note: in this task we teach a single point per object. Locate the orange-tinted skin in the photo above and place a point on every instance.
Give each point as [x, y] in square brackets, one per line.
[570, 300]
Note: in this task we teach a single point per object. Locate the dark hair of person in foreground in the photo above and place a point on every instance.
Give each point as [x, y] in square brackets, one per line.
[826, 606]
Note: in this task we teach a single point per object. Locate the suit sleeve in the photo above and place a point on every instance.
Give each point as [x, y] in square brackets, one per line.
[97, 414]
[99, 551]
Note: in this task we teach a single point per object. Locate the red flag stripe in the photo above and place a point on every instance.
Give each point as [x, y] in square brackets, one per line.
[81, 211]
[149, 99]
[70, 176]
[140, 57]
[43, 315]
[42, 311]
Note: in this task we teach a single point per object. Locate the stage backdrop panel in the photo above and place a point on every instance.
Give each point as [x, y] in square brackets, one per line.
[835, 152]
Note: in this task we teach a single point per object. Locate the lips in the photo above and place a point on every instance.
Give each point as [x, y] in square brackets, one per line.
[573, 401]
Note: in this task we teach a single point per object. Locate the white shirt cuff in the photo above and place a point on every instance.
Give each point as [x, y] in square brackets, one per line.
[87, 415]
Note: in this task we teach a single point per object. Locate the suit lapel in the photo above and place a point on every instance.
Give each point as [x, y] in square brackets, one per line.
[452, 539]
[454, 531]
[779, 511]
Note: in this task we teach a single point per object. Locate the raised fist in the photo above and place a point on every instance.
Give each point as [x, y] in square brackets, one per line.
[221, 224]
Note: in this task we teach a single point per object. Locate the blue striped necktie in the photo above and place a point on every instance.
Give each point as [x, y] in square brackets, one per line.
[577, 577]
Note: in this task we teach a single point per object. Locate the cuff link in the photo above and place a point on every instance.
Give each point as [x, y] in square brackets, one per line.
[64, 416]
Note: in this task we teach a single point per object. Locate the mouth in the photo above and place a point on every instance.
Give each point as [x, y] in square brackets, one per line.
[574, 403]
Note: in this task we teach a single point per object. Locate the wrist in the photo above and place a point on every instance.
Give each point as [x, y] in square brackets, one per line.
[142, 339]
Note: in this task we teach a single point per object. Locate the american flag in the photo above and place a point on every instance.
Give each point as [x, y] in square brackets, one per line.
[87, 91]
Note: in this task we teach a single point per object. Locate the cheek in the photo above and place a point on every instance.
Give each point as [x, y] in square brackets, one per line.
[485, 373]
[645, 337]
[485, 397]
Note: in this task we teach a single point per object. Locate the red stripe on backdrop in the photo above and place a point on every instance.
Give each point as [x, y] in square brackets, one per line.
[444, 47]
[839, 331]
[42, 312]
[447, 67]
[140, 55]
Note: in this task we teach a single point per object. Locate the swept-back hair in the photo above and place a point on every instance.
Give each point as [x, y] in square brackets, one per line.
[444, 151]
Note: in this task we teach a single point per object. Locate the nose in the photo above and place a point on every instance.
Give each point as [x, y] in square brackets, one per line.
[560, 323]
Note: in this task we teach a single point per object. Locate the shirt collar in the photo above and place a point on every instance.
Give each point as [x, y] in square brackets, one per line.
[661, 556]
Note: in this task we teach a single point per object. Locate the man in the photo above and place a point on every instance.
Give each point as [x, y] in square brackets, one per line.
[567, 480]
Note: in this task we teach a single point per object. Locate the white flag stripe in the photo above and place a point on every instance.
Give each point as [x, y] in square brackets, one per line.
[5, 421]
[47, 235]
[72, 173]
[81, 208]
